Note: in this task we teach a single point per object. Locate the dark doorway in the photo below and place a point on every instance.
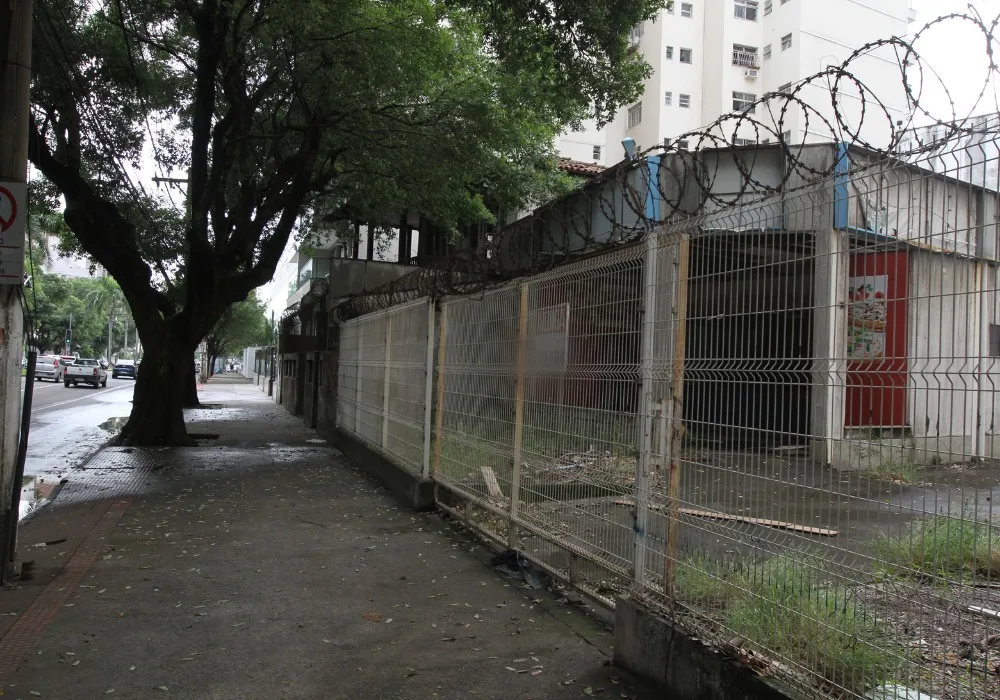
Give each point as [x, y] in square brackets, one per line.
[748, 369]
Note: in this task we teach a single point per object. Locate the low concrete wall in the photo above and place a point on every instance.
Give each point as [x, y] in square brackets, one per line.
[650, 646]
[414, 491]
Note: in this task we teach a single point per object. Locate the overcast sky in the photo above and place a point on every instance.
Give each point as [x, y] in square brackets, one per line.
[954, 54]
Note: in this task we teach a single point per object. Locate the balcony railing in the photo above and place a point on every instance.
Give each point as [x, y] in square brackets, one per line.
[747, 59]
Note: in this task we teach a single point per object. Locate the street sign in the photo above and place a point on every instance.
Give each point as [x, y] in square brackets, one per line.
[13, 211]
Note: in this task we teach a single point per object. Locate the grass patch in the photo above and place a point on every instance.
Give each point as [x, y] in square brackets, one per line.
[782, 606]
[822, 626]
[704, 582]
[943, 546]
[904, 469]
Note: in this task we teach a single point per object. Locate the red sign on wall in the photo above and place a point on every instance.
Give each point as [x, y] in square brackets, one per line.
[877, 340]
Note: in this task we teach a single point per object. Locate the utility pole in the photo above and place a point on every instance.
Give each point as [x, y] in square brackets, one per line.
[69, 336]
[15, 78]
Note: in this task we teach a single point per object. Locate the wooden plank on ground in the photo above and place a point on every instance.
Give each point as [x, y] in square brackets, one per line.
[718, 515]
[492, 485]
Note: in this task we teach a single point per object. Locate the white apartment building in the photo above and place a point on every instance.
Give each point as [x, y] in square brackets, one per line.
[586, 145]
[715, 57]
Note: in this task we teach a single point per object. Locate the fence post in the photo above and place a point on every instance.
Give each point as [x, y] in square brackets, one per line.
[681, 264]
[439, 408]
[646, 364]
[358, 336]
[522, 360]
[428, 389]
[385, 379]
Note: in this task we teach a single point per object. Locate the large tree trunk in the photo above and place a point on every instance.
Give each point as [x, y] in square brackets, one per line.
[191, 388]
[157, 405]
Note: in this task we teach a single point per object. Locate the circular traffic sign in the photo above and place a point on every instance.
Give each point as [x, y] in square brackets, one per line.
[7, 222]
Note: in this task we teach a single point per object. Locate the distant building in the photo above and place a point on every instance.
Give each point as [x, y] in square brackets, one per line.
[70, 265]
[710, 58]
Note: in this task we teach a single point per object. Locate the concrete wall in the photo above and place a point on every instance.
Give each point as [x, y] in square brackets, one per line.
[349, 276]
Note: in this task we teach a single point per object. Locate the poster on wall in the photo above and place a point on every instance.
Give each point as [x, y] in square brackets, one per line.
[867, 315]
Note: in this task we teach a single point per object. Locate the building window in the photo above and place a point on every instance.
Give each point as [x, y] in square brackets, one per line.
[744, 102]
[682, 144]
[687, 9]
[636, 34]
[786, 136]
[783, 1]
[670, 53]
[786, 88]
[767, 52]
[994, 340]
[668, 98]
[597, 153]
[684, 101]
[745, 56]
[767, 7]
[786, 42]
[670, 10]
[686, 55]
[635, 115]
[743, 142]
[745, 9]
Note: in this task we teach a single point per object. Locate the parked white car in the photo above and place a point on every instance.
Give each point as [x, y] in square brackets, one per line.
[85, 371]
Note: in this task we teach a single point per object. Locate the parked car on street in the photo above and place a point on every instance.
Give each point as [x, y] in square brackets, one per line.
[85, 371]
[123, 368]
[50, 367]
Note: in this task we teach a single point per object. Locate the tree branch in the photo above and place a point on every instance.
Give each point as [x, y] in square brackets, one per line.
[90, 216]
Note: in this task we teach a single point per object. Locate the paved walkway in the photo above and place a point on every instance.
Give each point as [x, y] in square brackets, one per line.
[261, 565]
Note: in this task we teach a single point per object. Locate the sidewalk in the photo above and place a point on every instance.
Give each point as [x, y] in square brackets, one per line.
[262, 565]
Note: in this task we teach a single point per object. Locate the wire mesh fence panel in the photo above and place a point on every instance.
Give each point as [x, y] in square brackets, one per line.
[822, 408]
[347, 376]
[406, 373]
[382, 381]
[370, 406]
[578, 366]
[473, 441]
[774, 418]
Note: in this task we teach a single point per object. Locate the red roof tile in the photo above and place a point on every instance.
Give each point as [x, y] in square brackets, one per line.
[577, 167]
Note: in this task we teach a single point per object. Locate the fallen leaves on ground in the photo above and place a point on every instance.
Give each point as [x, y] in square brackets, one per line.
[373, 616]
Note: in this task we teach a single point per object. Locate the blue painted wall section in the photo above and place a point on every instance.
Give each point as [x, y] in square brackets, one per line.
[841, 194]
[653, 191]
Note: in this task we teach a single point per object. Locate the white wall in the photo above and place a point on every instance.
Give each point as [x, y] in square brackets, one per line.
[579, 145]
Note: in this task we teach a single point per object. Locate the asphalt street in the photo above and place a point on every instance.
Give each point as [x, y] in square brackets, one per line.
[69, 424]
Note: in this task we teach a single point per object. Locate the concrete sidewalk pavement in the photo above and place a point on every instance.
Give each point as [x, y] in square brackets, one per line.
[262, 565]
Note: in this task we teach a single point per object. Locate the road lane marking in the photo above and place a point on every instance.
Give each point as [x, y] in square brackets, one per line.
[80, 398]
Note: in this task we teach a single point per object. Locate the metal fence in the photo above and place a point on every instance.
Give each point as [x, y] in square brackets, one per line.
[384, 379]
[775, 422]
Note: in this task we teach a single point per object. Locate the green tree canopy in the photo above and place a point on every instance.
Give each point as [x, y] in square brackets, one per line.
[242, 325]
[430, 106]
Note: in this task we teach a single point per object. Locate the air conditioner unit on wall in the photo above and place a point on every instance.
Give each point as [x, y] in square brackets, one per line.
[752, 73]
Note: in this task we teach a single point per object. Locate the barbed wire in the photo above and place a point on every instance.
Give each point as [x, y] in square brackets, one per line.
[684, 180]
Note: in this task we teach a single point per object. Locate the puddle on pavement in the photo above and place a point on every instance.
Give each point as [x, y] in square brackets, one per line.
[114, 425]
